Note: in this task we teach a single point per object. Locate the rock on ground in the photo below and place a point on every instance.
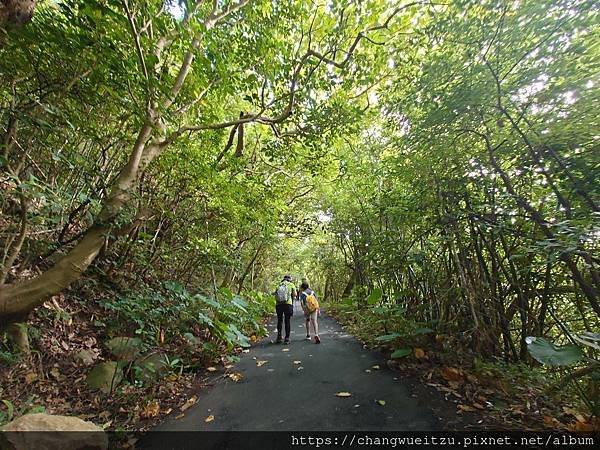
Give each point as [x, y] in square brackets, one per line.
[45, 431]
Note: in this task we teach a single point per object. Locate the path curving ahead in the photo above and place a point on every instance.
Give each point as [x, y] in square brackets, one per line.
[283, 394]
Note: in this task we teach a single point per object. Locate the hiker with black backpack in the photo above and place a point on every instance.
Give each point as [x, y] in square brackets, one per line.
[310, 306]
[284, 296]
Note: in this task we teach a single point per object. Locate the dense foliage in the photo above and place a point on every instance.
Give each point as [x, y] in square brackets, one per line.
[472, 201]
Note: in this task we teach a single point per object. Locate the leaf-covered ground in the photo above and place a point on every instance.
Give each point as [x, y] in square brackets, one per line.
[495, 395]
[53, 378]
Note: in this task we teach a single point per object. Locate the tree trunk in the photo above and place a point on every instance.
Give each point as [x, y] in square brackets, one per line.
[247, 271]
[349, 286]
[19, 298]
[588, 290]
[16, 12]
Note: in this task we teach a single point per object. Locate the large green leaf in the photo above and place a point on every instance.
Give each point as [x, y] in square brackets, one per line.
[423, 330]
[388, 337]
[374, 296]
[401, 353]
[239, 303]
[551, 355]
[209, 301]
[226, 292]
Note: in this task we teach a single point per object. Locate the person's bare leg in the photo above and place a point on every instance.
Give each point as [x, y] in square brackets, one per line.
[313, 319]
[307, 323]
[315, 325]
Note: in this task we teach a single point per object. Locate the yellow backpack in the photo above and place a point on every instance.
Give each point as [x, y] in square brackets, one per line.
[312, 304]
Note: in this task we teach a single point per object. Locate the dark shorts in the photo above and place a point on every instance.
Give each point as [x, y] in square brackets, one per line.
[284, 309]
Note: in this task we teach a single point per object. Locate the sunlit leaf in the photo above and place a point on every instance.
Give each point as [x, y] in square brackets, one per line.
[343, 394]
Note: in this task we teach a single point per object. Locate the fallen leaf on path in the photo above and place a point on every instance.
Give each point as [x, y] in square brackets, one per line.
[452, 374]
[376, 367]
[465, 408]
[209, 418]
[246, 350]
[478, 405]
[516, 409]
[285, 349]
[300, 368]
[582, 426]
[551, 422]
[211, 369]
[270, 370]
[151, 410]
[193, 399]
[235, 376]
[179, 416]
[343, 394]
[381, 402]
[297, 362]
[368, 370]
[419, 353]
[260, 363]
[229, 366]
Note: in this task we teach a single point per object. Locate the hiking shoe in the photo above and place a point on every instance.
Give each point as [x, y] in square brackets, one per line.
[286, 341]
[317, 340]
[308, 337]
[278, 341]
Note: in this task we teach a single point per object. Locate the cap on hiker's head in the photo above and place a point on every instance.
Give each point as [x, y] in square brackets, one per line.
[287, 277]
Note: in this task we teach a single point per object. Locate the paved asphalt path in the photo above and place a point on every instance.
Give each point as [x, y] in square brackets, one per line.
[283, 394]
